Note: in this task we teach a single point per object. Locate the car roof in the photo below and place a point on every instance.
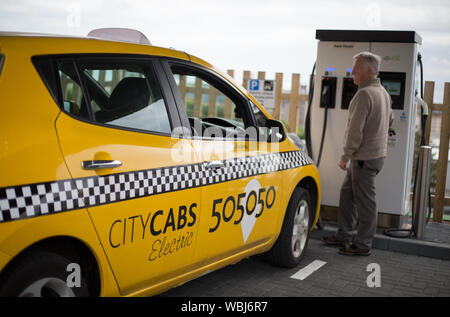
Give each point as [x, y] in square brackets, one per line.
[54, 44]
[32, 34]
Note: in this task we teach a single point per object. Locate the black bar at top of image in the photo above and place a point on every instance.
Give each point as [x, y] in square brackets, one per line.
[368, 36]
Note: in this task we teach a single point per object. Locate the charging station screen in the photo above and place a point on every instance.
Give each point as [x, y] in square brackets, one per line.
[394, 88]
[394, 83]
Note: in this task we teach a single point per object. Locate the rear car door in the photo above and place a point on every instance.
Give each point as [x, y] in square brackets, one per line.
[240, 202]
[115, 135]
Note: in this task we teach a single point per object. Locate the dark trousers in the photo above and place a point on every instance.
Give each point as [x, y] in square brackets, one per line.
[357, 203]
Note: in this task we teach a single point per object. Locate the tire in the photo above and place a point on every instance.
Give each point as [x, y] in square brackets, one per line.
[40, 274]
[292, 242]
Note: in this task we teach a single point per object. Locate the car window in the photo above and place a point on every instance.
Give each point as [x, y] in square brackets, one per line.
[260, 118]
[123, 94]
[210, 103]
[72, 94]
[211, 109]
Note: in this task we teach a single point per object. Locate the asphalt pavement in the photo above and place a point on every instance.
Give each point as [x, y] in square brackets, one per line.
[323, 272]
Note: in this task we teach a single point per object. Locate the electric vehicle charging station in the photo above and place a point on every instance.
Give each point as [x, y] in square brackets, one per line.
[333, 90]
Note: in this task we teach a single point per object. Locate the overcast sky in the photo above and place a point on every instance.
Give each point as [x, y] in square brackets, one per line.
[255, 35]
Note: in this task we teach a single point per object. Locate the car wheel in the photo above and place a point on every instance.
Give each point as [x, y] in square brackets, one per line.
[291, 244]
[41, 274]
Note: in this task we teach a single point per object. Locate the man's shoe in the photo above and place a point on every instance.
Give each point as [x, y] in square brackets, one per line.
[333, 241]
[353, 250]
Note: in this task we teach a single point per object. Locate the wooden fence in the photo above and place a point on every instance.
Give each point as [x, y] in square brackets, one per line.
[439, 199]
[294, 97]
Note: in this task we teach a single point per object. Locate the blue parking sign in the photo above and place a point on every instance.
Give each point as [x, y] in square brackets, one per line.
[254, 84]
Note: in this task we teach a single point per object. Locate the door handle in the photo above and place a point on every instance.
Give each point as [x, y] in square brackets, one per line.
[99, 164]
[212, 165]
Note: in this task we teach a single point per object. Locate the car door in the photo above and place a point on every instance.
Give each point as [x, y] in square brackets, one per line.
[240, 203]
[115, 135]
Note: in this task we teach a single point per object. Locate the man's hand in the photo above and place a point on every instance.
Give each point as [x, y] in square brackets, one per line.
[342, 165]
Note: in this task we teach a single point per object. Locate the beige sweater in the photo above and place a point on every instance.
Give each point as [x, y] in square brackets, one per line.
[369, 118]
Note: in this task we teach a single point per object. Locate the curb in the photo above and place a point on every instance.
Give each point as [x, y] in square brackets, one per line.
[405, 245]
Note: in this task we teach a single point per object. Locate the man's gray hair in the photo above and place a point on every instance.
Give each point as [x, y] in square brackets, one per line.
[372, 60]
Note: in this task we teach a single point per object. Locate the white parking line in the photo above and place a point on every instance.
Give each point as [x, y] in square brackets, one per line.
[308, 270]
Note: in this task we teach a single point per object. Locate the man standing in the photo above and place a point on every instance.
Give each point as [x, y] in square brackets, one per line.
[365, 146]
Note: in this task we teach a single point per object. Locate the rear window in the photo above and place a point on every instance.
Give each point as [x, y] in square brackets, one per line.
[114, 91]
[2, 62]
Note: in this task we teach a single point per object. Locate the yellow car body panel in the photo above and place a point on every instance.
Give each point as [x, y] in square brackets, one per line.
[142, 245]
[16, 236]
[123, 227]
[4, 259]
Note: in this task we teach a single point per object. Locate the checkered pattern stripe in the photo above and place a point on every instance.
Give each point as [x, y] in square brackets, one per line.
[38, 199]
[255, 165]
[34, 200]
[124, 186]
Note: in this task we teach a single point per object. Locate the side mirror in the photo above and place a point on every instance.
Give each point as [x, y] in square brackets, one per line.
[275, 131]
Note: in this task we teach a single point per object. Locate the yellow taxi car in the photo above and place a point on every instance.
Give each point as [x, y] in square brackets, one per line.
[127, 169]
